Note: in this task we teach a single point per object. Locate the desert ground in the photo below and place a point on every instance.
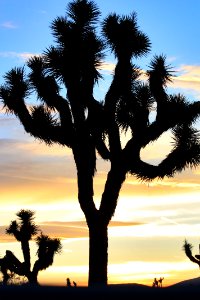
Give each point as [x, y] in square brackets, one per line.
[182, 290]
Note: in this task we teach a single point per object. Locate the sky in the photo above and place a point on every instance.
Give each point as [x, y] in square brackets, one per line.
[152, 220]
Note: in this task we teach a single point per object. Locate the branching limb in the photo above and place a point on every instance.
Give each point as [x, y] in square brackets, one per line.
[36, 121]
[97, 124]
[159, 75]
[48, 91]
[11, 263]
[186, 153]
[187, 247]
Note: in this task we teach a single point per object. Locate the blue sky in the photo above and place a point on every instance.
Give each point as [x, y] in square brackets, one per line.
[157, 217]
[172, 26]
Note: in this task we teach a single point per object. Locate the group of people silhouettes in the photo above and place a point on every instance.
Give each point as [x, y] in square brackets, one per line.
[157, 282]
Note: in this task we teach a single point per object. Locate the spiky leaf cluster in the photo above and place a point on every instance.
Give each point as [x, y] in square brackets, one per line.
[14, 90]
[25, 228]
[124, 37]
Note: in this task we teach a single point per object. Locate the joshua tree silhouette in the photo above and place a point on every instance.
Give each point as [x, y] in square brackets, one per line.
[187, 247]
[88, 126]
[23, 230]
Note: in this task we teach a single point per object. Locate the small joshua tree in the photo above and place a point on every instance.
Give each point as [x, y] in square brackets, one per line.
[187, 247]
[24, 230]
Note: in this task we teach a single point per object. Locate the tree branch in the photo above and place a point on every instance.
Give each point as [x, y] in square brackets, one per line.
[188, 251]
[176, 161]
[114, 182]
[121, 85]
[13, 94]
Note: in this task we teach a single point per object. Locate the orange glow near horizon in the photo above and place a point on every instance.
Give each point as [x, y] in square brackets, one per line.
[129, 272]
[147, 217]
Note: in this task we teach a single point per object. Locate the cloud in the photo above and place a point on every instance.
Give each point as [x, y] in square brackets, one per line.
[9, 25]
[4, 122]
[159, 149]
[5, 238]
[186, 182]
[33, 173]
[82, 224]
[23, 56]
[171, 59]
[29, 148]
[48, 172]
[43, 12]
[188, 77]
[77, 229]
[64, 230]
[107, 66]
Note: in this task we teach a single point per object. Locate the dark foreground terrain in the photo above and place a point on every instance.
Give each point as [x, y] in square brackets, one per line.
[123, 292]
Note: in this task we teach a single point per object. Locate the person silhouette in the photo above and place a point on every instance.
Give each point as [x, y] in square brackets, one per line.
[155, 283]
[160, 281]
[68, 282]
[75, 284]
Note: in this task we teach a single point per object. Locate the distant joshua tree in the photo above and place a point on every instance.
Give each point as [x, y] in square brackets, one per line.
[187, 247]
[24, 230]
[63, 78]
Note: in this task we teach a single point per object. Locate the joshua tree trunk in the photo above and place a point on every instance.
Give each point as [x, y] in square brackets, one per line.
[34, 274]
[98, 223]
[98, 254]
[26, 254]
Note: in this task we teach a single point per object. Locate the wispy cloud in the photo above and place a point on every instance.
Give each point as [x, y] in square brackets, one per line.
[82, 224]
[43, 12]
[107, 66]
[188, 77]
[65, 230]
[8, 25]
[23, 56]
[171, 59]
